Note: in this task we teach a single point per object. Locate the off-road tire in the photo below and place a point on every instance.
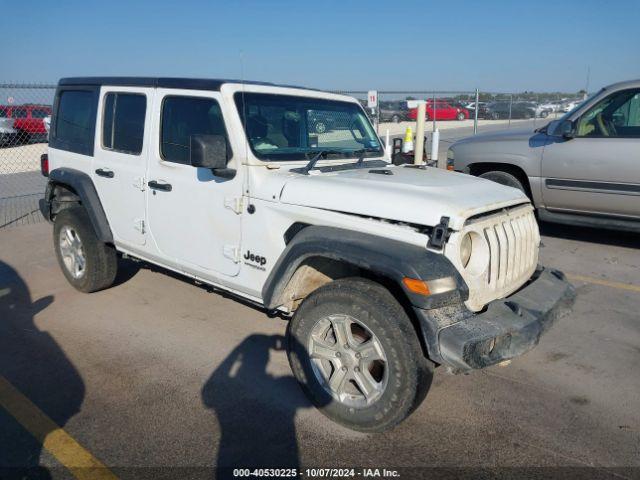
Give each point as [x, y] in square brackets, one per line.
[409, 375]
[101, 259]
[504, 178]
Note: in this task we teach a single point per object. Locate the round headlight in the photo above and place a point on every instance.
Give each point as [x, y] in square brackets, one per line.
[466, 245]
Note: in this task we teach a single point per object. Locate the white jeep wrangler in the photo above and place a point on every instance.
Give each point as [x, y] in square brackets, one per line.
[384, 270]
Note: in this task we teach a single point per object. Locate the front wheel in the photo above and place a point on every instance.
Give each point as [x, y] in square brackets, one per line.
[460, 116]
[504, 178]
[356, 355]
[395, 119]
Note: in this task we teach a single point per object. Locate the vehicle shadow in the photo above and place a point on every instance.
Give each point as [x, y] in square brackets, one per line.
[254, 408]
[591, 234]
[33, 363]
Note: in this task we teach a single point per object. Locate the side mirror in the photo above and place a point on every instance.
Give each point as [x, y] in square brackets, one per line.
[208, 151]
[566, 130]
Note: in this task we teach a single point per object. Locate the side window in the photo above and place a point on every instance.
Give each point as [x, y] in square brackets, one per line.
[183, 117]
[39, 113]
[123, 122]
[19, 113]
[616, 116]
[75, 121]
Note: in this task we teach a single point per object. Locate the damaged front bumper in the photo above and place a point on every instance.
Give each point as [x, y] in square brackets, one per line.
[508, 327]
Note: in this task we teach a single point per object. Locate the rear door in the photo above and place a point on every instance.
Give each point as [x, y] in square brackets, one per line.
[119, 164]
[598, 171]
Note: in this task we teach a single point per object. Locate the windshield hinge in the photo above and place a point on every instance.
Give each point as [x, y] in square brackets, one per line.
[234, 203]
[440, 234]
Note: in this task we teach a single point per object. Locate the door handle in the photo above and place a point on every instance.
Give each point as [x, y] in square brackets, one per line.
[165, 187]
[105, 173]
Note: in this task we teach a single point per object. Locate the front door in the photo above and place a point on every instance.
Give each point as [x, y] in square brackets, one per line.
[120, 160]
[598, 171]
[194, 217]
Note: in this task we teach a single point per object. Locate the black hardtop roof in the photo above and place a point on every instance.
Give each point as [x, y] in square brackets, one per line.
[164, 82]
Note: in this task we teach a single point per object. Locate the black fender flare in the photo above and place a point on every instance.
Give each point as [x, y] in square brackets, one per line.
[389, 258]
[82, 184]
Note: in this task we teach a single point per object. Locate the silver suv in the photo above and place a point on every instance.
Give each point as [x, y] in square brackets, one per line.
[582, 169]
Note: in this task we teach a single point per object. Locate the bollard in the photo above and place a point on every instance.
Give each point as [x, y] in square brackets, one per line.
[387, 147]
[407, 145]
[418, 156]
[435, 144]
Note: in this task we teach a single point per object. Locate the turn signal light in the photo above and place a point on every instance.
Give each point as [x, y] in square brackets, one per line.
[416, 286]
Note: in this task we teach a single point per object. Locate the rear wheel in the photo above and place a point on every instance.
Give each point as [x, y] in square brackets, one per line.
[395, 119]
[460, 116]
[87, 263]
[353, 350]
[504, 178]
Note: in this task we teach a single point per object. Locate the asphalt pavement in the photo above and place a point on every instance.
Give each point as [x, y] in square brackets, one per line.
[160, 377]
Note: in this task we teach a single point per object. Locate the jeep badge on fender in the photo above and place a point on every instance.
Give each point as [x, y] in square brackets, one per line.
[375, 303]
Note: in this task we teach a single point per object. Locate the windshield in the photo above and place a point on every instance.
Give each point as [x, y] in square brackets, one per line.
[283, 127]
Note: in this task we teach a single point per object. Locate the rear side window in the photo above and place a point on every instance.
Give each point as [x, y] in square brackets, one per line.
[75, 121]
[19, 113]
[183, 117]
[123, 122]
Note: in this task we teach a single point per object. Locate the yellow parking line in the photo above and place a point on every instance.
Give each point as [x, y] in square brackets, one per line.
[606, 283]
[59, 443]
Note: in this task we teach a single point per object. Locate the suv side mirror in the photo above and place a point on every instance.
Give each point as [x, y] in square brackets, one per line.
[566, 129]
[210, 151]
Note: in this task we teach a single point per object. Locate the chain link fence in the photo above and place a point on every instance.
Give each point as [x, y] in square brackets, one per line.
[25, 113]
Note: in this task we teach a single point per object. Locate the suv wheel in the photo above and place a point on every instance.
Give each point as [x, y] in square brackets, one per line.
[356, 355]
[87, 263]
[504, 178]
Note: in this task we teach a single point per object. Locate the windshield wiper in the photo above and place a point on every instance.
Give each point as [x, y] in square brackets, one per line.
[362, 152]
[312, 163]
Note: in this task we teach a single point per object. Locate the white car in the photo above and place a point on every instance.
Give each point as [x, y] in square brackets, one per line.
[384, 270]
[47, 124]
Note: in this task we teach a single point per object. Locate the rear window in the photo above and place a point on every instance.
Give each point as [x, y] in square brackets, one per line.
[75, 121]
[123, 124]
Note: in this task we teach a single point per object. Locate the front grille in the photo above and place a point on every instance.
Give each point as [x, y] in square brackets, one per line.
[511, 254]
[513, 244]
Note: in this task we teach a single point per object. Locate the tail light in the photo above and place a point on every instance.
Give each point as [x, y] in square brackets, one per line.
[44, 164]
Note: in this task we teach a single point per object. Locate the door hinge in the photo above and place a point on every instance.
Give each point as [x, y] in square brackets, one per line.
[138, 224]
[139, 183]
[232, 252]
[234, 203]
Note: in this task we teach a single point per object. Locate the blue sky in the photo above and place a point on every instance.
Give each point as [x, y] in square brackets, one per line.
[403, 44]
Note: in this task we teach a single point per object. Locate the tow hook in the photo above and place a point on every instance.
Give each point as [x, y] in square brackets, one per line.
[440, 234]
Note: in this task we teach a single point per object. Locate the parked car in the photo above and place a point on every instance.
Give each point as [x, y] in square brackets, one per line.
[539, 111]
[7, 132]
[504, 110]
[383, 270]
[47, 125]
[28, 121]
[441, 110]
[482, 109]
[568, 106]
[582, 169]
[393, 111]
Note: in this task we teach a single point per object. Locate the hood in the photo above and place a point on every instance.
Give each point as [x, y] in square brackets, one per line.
[508, 135]
[412, 195]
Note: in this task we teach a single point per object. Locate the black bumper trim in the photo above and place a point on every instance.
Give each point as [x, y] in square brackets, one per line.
[507, 328]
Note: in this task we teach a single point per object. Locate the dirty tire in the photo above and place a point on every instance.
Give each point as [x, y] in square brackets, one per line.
[504, 178]
[409, 372]
[101, 260]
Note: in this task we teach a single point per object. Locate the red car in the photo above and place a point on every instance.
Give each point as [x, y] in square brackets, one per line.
[28, 119]
[442, 111]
